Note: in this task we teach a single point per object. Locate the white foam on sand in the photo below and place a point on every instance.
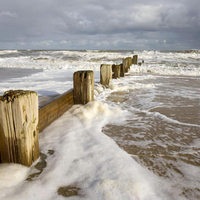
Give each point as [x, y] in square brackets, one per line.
[12, 174]
[170, 120]
[86, 158]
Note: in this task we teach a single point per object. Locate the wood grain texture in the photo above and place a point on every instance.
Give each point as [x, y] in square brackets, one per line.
[52, 110]
[19, 127]
[83, 87]
[105, 74]
[129, 60]
[116, 71]
[122, 71]
[125, 65]
[135, 60]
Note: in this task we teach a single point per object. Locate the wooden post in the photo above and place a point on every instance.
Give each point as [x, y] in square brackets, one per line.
[135, 59]
[55, 108]
[83, 87]
[116, 71]
[19, 127]
[105, 74]
[129, 60]
[125, 64]
[122, 71]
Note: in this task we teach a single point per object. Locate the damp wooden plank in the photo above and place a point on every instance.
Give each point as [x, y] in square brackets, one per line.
[52, 110]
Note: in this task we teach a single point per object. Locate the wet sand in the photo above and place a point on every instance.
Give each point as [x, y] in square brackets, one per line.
[163, 138]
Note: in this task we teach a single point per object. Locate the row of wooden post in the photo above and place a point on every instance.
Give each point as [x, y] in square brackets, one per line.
[19, 114]
[107, 72]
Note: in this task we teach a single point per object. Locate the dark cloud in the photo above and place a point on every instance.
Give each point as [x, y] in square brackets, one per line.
[92, 24]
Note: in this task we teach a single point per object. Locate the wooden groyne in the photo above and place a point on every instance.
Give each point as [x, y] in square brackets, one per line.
[83, 87]
[52, 110]
[21, 119]
[19, 127]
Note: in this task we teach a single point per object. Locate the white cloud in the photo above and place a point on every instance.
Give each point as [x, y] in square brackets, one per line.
[103, 24]
[177, 17]
[146, 14]
[22, 43]
[64, 42]
[43, 43]
[8, 14]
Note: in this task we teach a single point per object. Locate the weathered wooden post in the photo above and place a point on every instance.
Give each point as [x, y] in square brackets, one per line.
[129, 60]
[105, 74]
[135, 59]
[125, 64]
[116, 71]
[83, 87]
[122, 71]
[19, 127]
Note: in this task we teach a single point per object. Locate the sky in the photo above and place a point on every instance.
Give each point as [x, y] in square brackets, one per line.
[100, 24]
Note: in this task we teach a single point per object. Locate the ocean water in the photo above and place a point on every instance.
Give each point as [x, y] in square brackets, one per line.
[139, 139]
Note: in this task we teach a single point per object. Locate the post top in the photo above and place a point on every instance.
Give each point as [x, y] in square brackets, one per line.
[106, 65]
[83, 71]
[10, 95]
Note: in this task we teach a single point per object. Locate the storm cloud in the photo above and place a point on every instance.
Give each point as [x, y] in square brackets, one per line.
[92, 24]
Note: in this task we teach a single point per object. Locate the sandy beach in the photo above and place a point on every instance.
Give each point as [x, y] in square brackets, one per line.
[162, 137]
